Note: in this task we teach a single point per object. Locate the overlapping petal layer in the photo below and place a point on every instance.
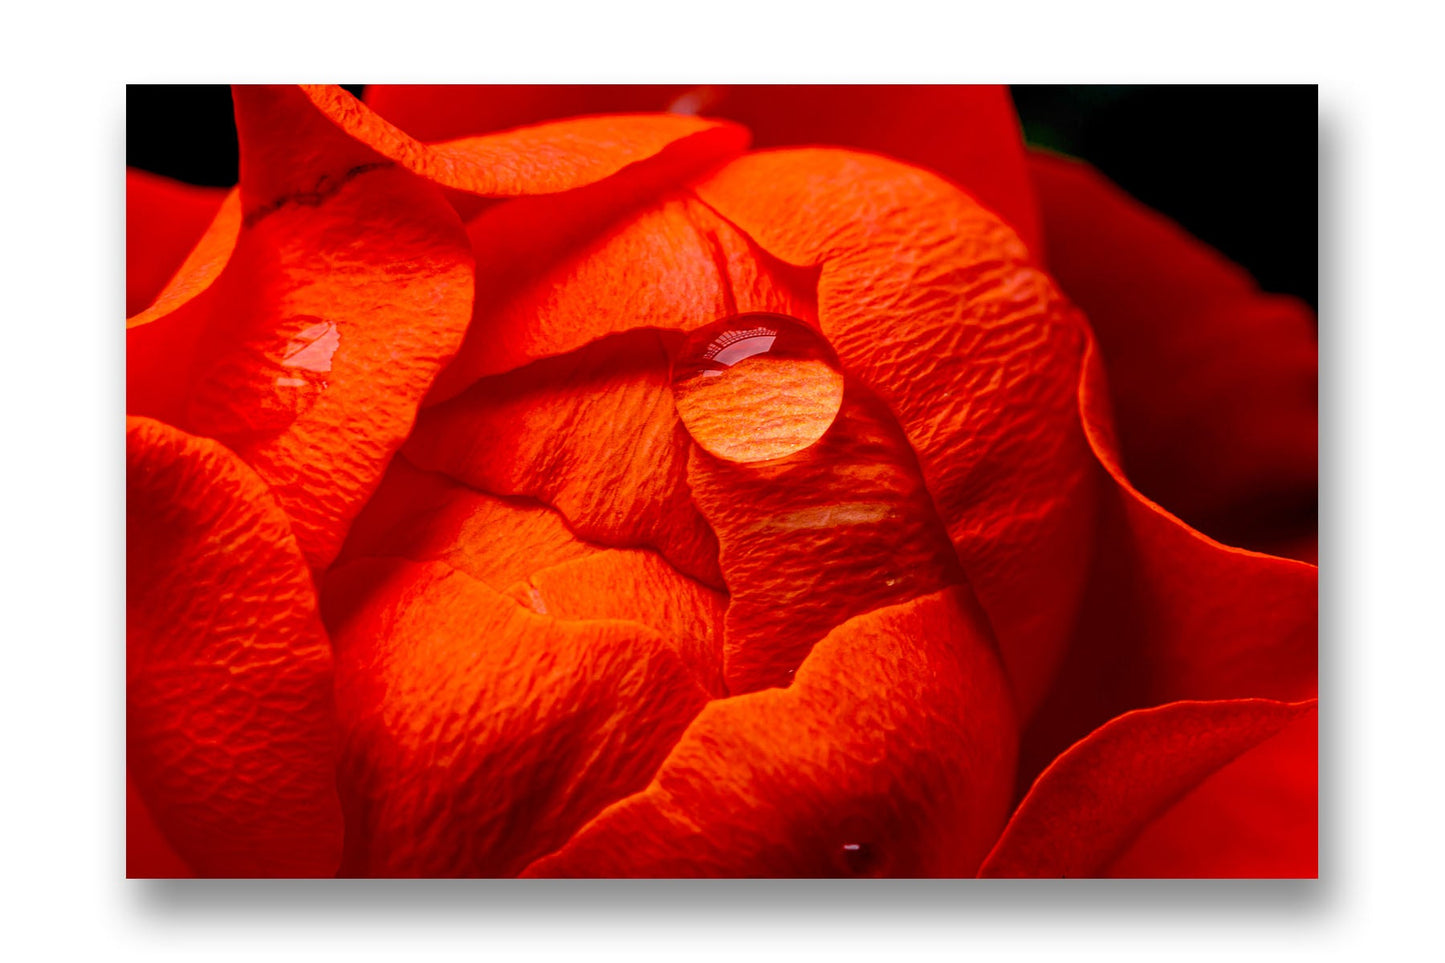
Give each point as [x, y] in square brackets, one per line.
[888, 755]
[592, 433]
[538, 159]
[1171, 615]
[557, 273]
[1213, 382]
[490, 714]
[231, 728]
[968, 134]
[479, 735]
[525, 549]
[813, 539]
[348, 287]
[1099, 798]
[163, 220]
[933, 304]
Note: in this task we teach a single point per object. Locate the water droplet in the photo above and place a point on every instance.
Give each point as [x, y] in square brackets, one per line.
[755, 387]
[859, 859]
[267, 381]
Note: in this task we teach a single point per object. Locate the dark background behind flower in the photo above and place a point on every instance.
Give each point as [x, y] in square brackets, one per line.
[1235, 165]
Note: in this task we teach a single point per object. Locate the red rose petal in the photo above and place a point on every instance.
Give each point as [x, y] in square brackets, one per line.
[480, 735]
[426, 516]
[813, 539]
[934, 305]
[230, 727]
[161, 339]
[1095, 800]
[432, 112]
[163, 221]
[341, 301]
[543, 159]
[554, 274]
[593, 434]
[636, 586]
[1214, 384]
[968, 134]
[1172, 615]
[525, 549]
[147, 854]
[1256, 817]
[889, 755]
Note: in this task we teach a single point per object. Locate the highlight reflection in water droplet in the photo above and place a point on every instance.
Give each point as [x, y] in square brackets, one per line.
[755, 387]
[859, 859]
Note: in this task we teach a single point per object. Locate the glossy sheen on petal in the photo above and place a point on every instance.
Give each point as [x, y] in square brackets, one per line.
[1257, 817]
[163, 220]
[968, 134]
[889, 755]
[934, 305]
[554, 274]
[636, 586]
[1214, 383]
[426, 516]
[1172, 615]
[593, 434]
[811, 540]
[479, 735]
[336, 310]
[1097, 798]
[230, 726]
[542, 159]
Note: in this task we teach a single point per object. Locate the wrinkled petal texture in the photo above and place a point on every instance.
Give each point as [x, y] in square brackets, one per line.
[524, 549]
[593, 434]
[934, 305]
[540, 579]
[1150, 784]
[1214, 384]
[480, 735]
[813, 539]
[230, 721]
[884, 757]
[338, 305]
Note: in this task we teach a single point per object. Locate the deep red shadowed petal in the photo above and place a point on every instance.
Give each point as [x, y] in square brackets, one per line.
[887, 756]
[348, 288]
[1214, 383]
[1256, 817]
[230, 726]
[163, 220]
[808, 541]
[479, 735]
[1171, 615]
[969, 134]
[1096, 800]
[594, 434]
[933, 304]
[147, 854]
[523, 548]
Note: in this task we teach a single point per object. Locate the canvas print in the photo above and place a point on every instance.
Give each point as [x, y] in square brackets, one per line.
[706, 481]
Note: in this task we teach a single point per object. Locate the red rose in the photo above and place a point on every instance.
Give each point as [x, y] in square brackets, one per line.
[462, 542]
